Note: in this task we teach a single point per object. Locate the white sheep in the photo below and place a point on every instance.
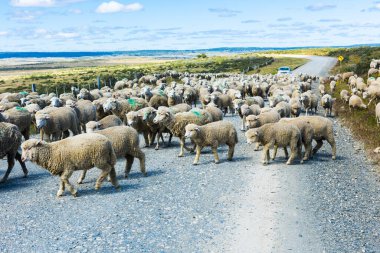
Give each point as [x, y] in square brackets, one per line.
[356, 102]
[81, 152]
[213, 134]
[327, 103]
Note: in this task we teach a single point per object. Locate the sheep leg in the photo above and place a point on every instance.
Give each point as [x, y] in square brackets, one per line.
[243, 124]
[215, 152]
[231, 150]
[146, 138]
[113, 178]
[332, 143]
[61, 189]
[128, 165]
[23, 167]
[158, 140]
[182, 144]
[65, 179]
[286, 153]
[82, 176]
[197, 155]
[11, 164]
[257, 146]
[141, 156]
[274, 152]
[293, 154]
[152, 137]
[317, 147]
[307, 151]
[265, 156]
[101, 178]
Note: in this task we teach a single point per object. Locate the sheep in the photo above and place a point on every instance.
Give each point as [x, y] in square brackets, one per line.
[309, 101]
[356, 102]
[20, 117]
[373, 93]
[86, 95]
[10, 141]
[148, 114]
[215, 112]
[332, 86]
[177, 123]
[247, 110]
[344, 95]
[100, 113]
[81, 152]
[190, 96]
[120, 107]
[253, 121]
[255, 100]
[56, 102]
[327, 103]
[8, 105]
[295, 107]
[323, 130]
[307, 134]
[377, 114]
[213, 134]
[85, 111]
[173, 99]
[158, 100]
[277, 135]
[275, 99]
[347, 75]
[284, 109]
[134, 120]
[106, 122]
[372, 71]
[56, 121]
[125, 143]
[183, 107]
[224, 102]
[321, 89]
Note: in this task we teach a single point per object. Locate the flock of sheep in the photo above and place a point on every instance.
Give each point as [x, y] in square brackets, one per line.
[93, 128]
[357, 88]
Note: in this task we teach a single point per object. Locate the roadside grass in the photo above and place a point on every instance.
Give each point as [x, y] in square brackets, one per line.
[293, 63]
[61, 80]
[361, 122]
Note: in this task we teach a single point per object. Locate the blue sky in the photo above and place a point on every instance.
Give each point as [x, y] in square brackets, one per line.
[97, 25]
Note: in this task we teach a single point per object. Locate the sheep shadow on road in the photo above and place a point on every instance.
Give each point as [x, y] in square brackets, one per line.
[16, 183]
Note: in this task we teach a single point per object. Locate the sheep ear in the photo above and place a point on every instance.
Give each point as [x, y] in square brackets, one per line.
[167, 114]
[99, 124]
[197, 129]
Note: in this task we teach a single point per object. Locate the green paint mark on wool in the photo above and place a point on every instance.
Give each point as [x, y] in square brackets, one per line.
[132, 102]
[24, 93]
[18, 108]
[161, 93]
[196, 113]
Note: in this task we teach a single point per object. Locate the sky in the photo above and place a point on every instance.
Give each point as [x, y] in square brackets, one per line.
[121, 25]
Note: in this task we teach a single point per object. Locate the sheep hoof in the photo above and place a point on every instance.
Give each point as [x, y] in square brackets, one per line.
[2, 181]
[59, 194]
[242, 129]
[195, 163]
[75, 194]
[126, 176]
[334, 157]
[216, 162]
[118, 188]
[156, 148]
[256, 149]
[288, 163]
[80, 182]
[301, 162]
[264, 162]
[145, 174]
[180, 155]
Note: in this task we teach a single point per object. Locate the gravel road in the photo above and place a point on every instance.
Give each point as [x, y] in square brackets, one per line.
[239, 206]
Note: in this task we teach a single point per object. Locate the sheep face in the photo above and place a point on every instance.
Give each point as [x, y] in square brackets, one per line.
[238, 103]
[252, 136]
[29, 151]
[192, 131]
[238, 94]
[162, 116]
[109, 105]
[252, 121]
[365, 95]
[55, 102]
[41, 120]
[23, 101]
[92, 126]
[149, 115]
[132, 118]
[245, 110]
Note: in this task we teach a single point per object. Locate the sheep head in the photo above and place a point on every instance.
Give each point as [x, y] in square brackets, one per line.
[252, 121]
[29, 149]
[109, 105]
[252, 136]
[92, 126]
[163, 115]
[41, 120]
[132, 118]
[192, 131]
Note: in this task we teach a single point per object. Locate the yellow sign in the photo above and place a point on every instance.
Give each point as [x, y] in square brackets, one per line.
[340, 58]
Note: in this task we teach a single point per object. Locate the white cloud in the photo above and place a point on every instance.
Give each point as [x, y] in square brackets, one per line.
[3, 33]
[32, 3]
[113, 6]
[65, 35]
[320, 7]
